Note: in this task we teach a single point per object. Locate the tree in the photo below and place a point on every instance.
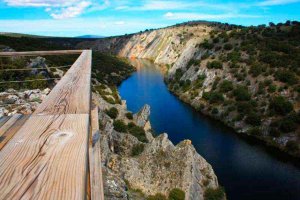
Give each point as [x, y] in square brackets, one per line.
[214, 194]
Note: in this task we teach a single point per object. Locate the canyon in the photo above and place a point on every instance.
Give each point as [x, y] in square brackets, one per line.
[245, 77]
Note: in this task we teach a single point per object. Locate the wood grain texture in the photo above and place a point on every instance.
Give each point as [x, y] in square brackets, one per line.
[46, 159]
[8, 130]
[40, 53]
[96, 183]
[72, 93]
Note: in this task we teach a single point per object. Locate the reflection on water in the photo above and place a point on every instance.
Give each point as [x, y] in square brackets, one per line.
[246, 169]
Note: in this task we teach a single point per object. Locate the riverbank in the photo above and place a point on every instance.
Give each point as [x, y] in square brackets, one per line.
[262, 139]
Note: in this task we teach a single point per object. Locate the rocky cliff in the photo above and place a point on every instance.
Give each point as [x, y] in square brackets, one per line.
[137, 164]
[246, 77]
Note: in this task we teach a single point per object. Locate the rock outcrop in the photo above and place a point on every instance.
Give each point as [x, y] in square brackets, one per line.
[158, 167]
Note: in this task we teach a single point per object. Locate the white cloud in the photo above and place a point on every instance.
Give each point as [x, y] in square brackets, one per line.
[72, 11]
[199, 16]
[61, 9]
[277, 2]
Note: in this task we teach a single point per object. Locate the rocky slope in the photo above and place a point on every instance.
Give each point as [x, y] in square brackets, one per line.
[246, 77]
[137, 165]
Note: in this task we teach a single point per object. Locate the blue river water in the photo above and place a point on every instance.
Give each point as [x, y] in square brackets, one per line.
[246, 169]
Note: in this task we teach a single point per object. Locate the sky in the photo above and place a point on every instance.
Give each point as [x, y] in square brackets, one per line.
[118, 17]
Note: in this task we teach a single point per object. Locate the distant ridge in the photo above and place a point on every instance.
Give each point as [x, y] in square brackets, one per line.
[22, 35]
[90, 36]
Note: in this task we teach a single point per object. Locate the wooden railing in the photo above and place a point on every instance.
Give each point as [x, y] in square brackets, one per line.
[48, 157]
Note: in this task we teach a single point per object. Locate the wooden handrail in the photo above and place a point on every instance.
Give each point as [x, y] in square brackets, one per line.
[40, 53]
[48, 156]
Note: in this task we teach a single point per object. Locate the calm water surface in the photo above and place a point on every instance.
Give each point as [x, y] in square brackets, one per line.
[247, 170]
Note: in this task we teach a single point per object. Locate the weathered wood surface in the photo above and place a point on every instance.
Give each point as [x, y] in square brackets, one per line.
[8, 130]
[71, 92]
[40, 53]
[47, 158]
[96, 184]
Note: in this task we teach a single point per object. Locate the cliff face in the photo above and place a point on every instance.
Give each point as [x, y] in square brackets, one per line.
[246, 77]
[134, 168]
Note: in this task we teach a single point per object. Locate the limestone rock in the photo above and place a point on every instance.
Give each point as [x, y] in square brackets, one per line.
[142, 116]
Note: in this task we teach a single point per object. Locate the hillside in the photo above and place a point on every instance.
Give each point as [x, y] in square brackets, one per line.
[246, 77]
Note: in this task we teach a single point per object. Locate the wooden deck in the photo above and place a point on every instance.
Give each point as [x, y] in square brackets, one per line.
[46, 155]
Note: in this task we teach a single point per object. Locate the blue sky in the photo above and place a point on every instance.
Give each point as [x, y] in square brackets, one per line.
[116, 17]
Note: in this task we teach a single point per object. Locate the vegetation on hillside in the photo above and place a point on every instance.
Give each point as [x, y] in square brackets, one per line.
[256, 84]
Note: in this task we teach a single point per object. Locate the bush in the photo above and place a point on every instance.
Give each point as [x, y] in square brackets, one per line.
[241, 93]
[280, 105]
[255, 70]
[157, 196]
[214, 64]
[287, 125]
[292, 146]
[129, 115]
[226, 86]
[214, 194]
[254, 131]
[214, 111]
[120, 126]
[286, 77]
[137, 149]
[253, 119]
[228, 46]
[213, 97]
[138, 132]
[112, 112]
[176, 194]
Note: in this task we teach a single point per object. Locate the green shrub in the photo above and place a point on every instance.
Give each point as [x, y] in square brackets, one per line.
[157, 196]
[287, 125]
[214, 111]
[112, 112]
[226, 86]
[214, 65]
[228, 46]
[176, 194]
[292, 146]
[138, 132]
[253, 119]
[274, 132]
[281, 105]
[213, 97]
[120, 126]
[214, 194]
[137, 149]
[129, 115]
[286, 77]
[254, 131]
[255, 70]
[241, 93]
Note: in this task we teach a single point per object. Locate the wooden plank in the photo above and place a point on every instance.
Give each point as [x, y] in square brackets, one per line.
[4, 119]
[9, 123]
[40, 53]
[7, 132]
[72, 93]
[46, 159]
[96, 182]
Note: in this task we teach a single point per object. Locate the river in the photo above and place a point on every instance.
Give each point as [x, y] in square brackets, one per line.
[246, 169]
